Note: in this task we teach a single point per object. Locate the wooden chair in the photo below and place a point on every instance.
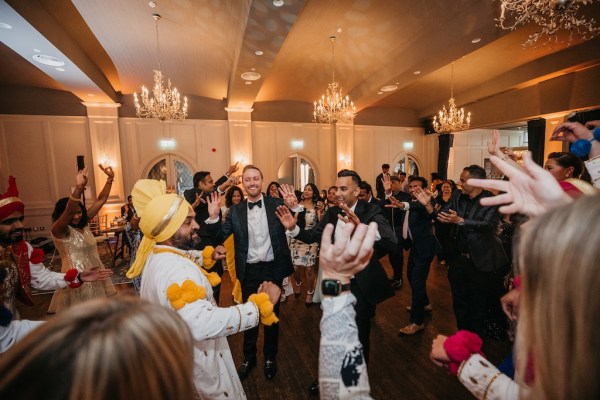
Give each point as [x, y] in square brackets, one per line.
[97, 229]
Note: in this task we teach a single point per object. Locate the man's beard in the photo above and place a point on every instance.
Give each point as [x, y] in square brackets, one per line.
[191, 242]
[12, 237]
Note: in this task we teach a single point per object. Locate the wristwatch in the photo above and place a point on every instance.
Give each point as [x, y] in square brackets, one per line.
[333, 287]
[461, 222]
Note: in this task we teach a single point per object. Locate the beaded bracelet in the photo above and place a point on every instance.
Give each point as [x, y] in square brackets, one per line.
[74, 199]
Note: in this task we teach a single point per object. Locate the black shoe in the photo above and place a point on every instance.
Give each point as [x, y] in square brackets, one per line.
[397, 284]
[245, 369]
[270, 369]
[313, 390]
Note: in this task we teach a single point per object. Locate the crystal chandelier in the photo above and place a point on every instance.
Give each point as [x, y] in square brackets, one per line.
[165, 103]
[551, 16]
[451, 119]
[333, 107]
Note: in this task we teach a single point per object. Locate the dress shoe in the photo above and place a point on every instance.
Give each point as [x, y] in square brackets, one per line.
[428, 308]
[411, 329]
[270, 369]
[245, 369]
[397, 284]
[313, 390]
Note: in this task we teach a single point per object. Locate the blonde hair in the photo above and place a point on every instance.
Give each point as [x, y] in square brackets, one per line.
[560, 305]
[103, 349]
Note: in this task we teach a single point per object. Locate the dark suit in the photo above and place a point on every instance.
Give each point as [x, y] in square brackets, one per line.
[423, 248]
[371, 285]
[379, 186]
[478, 256]
[127, 211]
[376, 201]
[252, 275]
[395, 217]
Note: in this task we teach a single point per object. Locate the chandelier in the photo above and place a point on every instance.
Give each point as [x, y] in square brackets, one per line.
[451, 119]
[165, 103]
[333, 107]
[551, 16]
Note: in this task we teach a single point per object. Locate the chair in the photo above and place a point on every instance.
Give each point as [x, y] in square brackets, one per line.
[95, 225]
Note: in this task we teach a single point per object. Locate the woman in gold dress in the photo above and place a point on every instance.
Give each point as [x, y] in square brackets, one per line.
[76, 244]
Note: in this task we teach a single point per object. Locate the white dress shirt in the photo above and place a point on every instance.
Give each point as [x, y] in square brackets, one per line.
[259, 241]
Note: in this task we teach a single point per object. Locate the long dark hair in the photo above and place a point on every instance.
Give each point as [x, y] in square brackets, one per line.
[566, 160]
[61, 206]
[230, 193]
[316, 194]
[268, 194]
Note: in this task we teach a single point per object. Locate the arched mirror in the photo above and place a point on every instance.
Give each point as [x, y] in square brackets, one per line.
[296, 171]
[173, 171]
[407, 163]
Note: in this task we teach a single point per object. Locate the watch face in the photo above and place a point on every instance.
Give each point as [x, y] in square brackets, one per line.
[330, 287]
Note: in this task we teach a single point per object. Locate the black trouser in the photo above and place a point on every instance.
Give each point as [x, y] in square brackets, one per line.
[397, 256]
[218, 268]
[417, 272]
[470, 293]
[364, 313]
[254, 275]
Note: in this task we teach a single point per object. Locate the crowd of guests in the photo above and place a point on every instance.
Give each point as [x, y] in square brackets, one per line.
[327, 246]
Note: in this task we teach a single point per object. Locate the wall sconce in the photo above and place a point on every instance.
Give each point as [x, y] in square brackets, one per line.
[107, 161]
[345, 160]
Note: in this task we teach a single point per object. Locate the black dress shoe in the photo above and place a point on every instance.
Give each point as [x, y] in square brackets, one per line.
[245, 369]
[270, 369]
[313, 390]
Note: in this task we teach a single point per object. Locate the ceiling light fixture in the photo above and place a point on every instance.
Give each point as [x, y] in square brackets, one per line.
[389, 88]
[4, 25]
[277, 3]
[476, 40]
[550, 16]
[417, 72]
[452, 119]
[165, 103]
[333, 107]
[48, 60]
[259, 52]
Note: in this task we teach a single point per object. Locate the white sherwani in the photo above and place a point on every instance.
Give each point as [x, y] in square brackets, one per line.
[215, 374]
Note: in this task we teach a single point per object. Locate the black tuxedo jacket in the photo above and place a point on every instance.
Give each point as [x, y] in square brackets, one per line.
[481, 223]
[372, 281]
[236, 223]
[377, 202]
[395, 216]
[422, 239]
[127, 211]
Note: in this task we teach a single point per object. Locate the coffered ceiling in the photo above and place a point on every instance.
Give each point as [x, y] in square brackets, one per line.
[109, 51]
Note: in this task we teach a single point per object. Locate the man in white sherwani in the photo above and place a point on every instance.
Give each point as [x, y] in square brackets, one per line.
[175, 276]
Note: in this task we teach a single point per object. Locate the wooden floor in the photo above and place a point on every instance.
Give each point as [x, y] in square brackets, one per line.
[399, 367]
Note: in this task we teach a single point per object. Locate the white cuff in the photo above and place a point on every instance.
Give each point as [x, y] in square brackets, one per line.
[406, 205]
[294, 232]
[299, 208]
[210, 221]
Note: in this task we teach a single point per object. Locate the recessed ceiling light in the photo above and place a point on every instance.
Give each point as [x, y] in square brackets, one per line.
[379, 92]
[339, 30]
[248, 83]
[252, 69]
[37, 50]
[60, 69]
[554, 122]
[476, 40]
[4, 25]
[417, 72]
[250, 76]
[151, 4]
[389, 88]
[259, 52]
[48, 60]
[277, 3]
[91, 95]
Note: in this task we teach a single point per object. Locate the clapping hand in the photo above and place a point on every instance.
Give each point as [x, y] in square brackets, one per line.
[214, 204]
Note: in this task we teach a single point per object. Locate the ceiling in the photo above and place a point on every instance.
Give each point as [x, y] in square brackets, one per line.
[109, 51]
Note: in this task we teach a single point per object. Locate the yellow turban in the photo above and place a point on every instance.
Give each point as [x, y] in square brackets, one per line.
[161, 215]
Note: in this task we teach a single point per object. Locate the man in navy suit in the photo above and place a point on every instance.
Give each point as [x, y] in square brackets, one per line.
[366, 194]
[261, 255]
[417, 233]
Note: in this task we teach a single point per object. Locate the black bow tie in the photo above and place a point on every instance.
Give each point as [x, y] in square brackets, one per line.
[257, 204]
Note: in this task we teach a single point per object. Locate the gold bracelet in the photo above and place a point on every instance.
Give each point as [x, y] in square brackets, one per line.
[75, 199]
[487, 388]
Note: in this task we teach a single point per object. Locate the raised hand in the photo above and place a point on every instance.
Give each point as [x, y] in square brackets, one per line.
[288, 195]
[107, 170]
[387, 184]
[198, 200]
[571, 132]
[81, 178]
[219, 253]
[423, 196]
[351, 252]
[350, 216]
[271, 289]
[286, 218]
[214, 204]
[531, 191]
[233, 168]
[394, 203]
[95, 274]
[494, 145]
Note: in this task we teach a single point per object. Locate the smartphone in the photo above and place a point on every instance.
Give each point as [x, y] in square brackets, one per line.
[80, 163]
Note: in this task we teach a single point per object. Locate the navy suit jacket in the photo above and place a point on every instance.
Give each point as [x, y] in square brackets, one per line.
[372, 281]
[420, 224]
[236, 223]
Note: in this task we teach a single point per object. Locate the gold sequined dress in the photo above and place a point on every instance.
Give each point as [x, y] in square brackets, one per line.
[79, 250]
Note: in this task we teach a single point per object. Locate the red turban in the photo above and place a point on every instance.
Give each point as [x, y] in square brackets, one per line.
[9, 201]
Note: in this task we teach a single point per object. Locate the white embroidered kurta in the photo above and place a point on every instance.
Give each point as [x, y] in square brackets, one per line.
[215, 374]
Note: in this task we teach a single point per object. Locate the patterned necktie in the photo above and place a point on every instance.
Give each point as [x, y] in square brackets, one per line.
[257, 204]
